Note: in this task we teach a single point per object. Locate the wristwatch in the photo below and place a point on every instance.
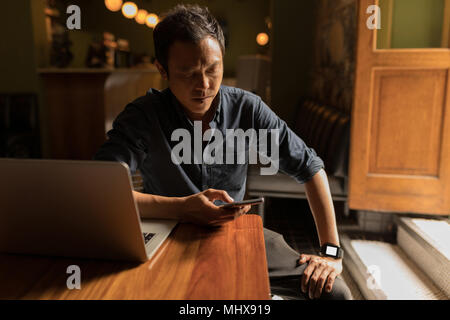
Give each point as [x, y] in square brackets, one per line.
[332, 251]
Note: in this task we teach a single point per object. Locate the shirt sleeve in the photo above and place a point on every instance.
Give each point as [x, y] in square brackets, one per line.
[295, 158]
[126, 140]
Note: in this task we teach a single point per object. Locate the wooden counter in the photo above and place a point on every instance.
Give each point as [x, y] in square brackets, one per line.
[81, 105]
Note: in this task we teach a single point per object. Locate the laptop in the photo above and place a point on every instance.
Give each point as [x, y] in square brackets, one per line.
[71, 208]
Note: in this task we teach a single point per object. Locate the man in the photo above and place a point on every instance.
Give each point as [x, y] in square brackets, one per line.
[189, 46]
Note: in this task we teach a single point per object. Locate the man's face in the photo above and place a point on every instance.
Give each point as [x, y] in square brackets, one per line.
[195, 74]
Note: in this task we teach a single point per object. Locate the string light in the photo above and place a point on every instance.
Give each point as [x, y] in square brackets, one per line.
[152, 20]
[113, 5]
[141, 16]
[129, 10]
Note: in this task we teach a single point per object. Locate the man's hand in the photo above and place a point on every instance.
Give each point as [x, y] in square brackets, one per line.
[319, 274]
[200, 208]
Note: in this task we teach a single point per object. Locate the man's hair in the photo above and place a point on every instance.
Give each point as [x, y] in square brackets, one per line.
[186, 23]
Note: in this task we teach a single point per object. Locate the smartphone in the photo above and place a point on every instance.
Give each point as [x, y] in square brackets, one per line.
[242, 203]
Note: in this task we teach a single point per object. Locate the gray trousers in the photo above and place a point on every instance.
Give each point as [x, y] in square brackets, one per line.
[285, 272]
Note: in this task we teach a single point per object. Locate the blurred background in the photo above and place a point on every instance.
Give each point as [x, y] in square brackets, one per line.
[39, 53]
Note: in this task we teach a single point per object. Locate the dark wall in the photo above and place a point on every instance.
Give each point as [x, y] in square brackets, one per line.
[17, 48]
[292, 54]
[22, 50]
[313, 54]
[335, 53]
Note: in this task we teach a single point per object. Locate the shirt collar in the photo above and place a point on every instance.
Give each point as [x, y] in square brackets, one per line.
[180, 111]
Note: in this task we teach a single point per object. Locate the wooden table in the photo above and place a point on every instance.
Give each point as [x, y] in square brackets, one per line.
[194, 263]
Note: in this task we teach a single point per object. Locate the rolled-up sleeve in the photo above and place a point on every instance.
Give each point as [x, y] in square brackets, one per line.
[126, 140]
[295, 158]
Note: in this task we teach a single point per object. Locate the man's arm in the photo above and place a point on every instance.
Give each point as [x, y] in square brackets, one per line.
[154, 206]
[321, 204]
[321, 271]
[197, 208]
[302, 163]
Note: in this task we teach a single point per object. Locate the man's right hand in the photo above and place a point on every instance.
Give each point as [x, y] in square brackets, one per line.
[199, 208]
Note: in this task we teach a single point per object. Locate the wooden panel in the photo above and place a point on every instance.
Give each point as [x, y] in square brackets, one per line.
[194, 263]
[406, 121]
[400, 129]
[83, 103]
[412, 58]
[75, 104]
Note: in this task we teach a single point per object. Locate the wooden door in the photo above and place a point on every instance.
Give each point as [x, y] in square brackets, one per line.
[400, 133]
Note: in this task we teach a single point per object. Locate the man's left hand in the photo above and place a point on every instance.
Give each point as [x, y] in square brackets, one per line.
[319, 274]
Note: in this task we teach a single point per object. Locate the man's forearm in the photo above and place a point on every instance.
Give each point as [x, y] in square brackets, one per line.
[153, 206]
[196, 208]
[321, 204]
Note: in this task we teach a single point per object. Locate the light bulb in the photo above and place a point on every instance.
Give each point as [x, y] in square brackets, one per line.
[151, 20]
[113, 5]
[129, 10]
[141, 16]
[262, 38]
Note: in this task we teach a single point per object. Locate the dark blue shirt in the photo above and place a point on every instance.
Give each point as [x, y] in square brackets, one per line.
[141, 137]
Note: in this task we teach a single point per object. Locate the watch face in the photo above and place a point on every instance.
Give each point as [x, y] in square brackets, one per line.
[332, 251]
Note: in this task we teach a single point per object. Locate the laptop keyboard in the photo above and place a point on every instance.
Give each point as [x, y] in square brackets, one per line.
[148, 236]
